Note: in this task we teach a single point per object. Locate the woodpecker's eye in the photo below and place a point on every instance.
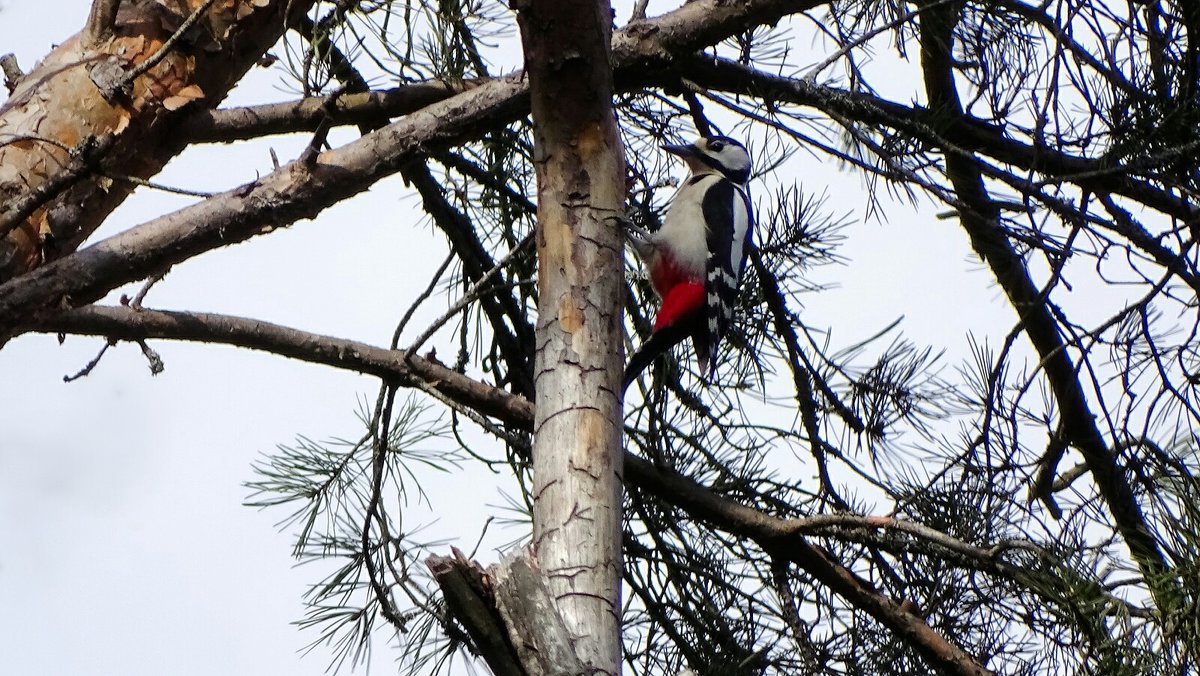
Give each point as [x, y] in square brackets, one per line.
[716, 146]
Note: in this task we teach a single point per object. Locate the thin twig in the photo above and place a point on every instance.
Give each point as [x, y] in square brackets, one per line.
[379, 452]
[811, 75]
[516, 441]
[155, 361]
[136, 302]
[91, 365]
[166, 49]
[468, 297]
[159, 186]
[321, 133]
[421, 298]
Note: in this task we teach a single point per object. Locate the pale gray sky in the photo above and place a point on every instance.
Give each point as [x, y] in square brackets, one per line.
[124, 545]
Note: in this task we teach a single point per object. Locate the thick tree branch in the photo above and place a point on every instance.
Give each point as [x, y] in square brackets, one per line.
[129, 324]
[130, 75]
[124, 323]
[238, 124]
[298, 190]
[965, 136]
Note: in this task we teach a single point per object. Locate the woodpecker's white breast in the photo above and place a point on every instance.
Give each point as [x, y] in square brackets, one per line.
[683, 233]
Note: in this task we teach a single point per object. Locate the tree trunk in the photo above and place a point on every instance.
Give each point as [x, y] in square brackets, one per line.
[87, 101]
[577, 430]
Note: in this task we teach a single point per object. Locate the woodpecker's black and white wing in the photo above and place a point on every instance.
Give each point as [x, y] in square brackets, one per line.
[730, 222]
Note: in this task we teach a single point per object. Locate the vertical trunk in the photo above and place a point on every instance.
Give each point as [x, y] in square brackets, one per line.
[577, 444]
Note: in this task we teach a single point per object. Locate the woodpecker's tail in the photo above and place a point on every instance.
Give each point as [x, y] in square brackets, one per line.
[659, 343]
[706, 354]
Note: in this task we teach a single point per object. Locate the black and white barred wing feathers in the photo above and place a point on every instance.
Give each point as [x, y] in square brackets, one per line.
[730, 220]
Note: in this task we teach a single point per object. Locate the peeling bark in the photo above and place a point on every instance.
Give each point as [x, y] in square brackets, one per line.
[470, 594]
[536, 629]
[89, 88]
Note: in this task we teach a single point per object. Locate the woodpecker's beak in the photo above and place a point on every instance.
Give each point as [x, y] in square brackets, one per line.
[683, 150]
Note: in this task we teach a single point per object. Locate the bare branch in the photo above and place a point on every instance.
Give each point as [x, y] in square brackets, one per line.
[772, 533]
[64, 97]
[775, 535]
[91, 365]
[12, 72]
[778, 538]
[128, 324]
[958, 135]
[470, 596]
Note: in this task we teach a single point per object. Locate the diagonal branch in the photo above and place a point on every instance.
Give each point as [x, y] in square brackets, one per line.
[124, 323]
[295, 191]
[502, 309]
[802, 380]
[128, 77]
[778, 537]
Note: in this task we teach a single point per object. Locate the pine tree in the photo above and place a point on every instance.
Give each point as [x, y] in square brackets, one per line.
[829, 503]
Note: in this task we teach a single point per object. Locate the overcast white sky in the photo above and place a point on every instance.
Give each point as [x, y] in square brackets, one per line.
[124, 545]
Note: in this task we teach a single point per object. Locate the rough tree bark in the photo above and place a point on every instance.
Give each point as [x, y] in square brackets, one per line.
[116, 89]
[577, 431]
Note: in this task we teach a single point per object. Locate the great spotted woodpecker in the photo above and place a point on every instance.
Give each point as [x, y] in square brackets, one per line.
[695, 259]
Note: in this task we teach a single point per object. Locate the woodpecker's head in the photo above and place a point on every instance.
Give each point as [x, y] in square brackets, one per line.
[716, 155]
